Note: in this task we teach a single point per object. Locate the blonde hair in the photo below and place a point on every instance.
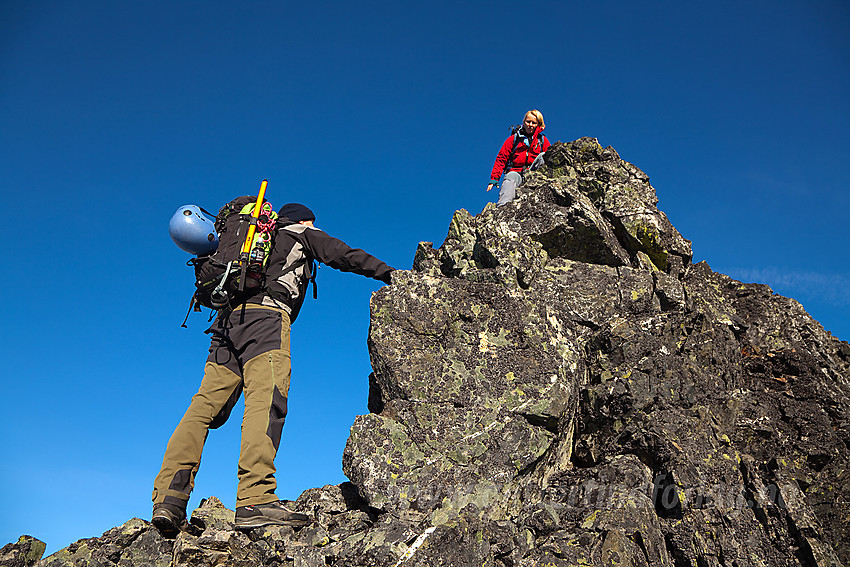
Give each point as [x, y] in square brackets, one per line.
[539, 115]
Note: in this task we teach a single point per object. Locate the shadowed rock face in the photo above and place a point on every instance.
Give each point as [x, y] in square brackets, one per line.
[557, 384]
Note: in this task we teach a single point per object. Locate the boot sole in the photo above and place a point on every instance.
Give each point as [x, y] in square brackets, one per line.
[165, 526]
[259, 522]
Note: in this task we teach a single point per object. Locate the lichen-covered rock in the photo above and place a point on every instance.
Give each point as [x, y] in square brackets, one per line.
[134, 543]
[464, 344]
[212, 514]
[426, 452]
[622, 194]
[557, 384]
[23, 553]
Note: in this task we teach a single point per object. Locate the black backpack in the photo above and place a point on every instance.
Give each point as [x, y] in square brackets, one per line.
[226, 278]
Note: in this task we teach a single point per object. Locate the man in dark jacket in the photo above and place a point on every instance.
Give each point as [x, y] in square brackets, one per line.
[249, 352]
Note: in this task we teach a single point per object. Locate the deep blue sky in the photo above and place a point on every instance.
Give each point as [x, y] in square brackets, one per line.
[384, 117]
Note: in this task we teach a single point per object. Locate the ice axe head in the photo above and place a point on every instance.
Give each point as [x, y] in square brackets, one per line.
[192, 231]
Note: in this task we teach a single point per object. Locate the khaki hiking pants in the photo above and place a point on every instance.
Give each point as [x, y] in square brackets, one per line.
[249, 351]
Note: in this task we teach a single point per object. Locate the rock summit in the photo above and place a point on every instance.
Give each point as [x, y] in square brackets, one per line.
[558, 384]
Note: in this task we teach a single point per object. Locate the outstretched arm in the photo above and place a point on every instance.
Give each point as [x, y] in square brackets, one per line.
[340, 256]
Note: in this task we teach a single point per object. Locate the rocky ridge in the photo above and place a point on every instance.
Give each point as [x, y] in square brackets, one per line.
[558, 384]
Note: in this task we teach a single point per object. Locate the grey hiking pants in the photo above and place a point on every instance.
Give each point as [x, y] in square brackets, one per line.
[512, 180]
[249, 351]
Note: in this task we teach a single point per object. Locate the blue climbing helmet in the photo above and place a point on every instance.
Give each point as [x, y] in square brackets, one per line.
[192, 231]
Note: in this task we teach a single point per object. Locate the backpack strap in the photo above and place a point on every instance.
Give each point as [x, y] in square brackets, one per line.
[540, 138]
[217, 296]
[516, 131]
[312, 268]
[191, 305]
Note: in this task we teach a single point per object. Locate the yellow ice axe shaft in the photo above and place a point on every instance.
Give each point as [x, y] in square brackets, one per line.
[256, 214]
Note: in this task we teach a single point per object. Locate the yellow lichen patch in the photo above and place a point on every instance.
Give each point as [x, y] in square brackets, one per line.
[483, 342]
[590, 520]
[487, 341]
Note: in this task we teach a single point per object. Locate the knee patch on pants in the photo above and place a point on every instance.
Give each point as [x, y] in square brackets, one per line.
[222, 416]
[277, 415]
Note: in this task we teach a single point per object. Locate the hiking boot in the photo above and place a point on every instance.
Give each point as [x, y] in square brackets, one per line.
[273, 513]
[169, 519]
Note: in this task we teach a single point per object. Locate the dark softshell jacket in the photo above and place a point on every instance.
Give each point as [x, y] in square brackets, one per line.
[290, 263]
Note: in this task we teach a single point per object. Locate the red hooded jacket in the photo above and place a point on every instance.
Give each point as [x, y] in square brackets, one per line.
[523, 155]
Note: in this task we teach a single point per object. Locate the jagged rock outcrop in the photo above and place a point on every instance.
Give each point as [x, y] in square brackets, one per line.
[557, 384]
[26, 551]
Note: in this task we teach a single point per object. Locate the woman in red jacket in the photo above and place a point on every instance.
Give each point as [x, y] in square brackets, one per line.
[521, 151]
